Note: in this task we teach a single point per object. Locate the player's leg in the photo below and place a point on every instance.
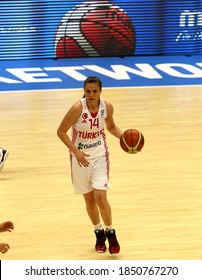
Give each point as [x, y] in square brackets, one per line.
[100, 183]
[93, 213]
[104, 206]
[82, 185]
[92, 208]
[106, 214]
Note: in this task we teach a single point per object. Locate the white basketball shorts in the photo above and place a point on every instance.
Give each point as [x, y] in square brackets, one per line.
[94, 176]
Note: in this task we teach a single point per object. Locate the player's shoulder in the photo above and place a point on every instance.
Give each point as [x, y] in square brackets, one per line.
[76, 108]
[109, 106]
[107, 103]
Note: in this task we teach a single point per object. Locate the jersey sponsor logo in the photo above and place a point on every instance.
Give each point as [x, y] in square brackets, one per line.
[82, 146]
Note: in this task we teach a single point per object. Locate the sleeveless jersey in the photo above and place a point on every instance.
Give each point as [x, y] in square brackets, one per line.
[88, 131]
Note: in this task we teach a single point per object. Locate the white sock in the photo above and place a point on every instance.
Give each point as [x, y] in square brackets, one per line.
[109, 228]
[98, 226]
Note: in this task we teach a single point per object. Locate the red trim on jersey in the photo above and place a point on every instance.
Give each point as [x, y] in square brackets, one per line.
[106, 153]
[70, 157]
[94, 115]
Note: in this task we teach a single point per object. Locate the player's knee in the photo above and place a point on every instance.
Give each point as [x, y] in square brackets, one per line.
[101, 201]
[91, 204]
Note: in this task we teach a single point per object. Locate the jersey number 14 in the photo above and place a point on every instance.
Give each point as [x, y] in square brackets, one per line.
[94, 123]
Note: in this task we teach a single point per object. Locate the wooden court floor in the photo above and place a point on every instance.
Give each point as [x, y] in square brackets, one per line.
[156, 195]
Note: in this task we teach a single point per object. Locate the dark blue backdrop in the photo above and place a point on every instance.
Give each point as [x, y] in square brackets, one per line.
[28, 28]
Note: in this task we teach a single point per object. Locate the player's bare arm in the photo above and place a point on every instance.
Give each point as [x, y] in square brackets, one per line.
[67, 122]
[110, 124]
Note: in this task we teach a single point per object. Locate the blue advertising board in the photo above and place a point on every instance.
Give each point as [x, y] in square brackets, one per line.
[54, 29]
[115, 72]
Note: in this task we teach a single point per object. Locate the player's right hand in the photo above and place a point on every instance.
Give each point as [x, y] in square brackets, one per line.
[81, 158]
[4, 248]
[6, 226]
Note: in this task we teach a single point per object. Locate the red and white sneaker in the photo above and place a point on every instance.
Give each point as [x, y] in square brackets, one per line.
[114, 247]
[100, 246]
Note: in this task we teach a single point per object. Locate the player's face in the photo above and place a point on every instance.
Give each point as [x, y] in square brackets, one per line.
[92, 92]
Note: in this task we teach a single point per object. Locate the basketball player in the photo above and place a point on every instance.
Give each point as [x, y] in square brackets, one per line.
[89, 158]
[5, 226]
[3, 157]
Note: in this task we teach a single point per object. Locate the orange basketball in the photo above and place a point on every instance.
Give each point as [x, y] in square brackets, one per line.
[132, 141]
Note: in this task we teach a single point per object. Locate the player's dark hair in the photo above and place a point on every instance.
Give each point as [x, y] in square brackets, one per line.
[92, 79]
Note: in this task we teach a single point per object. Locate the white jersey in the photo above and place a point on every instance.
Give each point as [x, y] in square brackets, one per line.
[88, 131]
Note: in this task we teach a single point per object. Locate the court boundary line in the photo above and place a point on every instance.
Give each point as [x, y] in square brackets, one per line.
[74, 89]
